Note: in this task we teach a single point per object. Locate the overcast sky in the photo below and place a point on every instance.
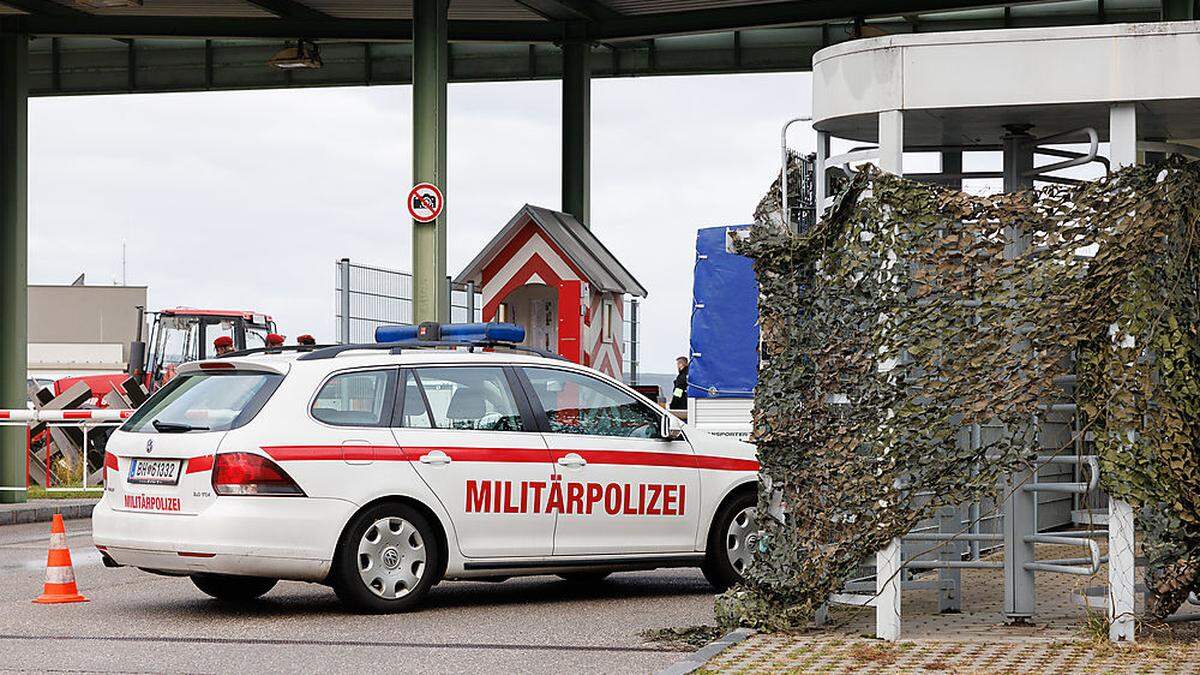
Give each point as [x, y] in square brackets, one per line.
[246, 199]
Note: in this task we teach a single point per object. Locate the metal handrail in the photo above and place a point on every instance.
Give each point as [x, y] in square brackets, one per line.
[953, 536]
[1092, 153]
[1093, 464]
[855, 155]
[783, 156]
[1053, 566]
[953, 564]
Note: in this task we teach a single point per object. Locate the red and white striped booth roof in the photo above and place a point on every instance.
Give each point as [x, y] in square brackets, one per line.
[555, 238]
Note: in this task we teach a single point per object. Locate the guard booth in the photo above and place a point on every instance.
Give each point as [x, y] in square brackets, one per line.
[549, 273]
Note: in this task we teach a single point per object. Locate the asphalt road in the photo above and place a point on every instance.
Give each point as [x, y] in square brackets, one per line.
[137, 622]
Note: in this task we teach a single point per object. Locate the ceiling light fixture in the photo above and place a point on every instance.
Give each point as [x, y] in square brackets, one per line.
[302, 54]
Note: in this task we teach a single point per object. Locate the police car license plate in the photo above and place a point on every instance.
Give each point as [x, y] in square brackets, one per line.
[155, 471]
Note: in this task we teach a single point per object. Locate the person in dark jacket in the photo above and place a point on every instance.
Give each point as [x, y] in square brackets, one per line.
[679, 392]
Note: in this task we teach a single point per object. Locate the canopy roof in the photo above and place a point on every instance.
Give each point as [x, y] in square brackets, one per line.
[602, 269]
[191, 45]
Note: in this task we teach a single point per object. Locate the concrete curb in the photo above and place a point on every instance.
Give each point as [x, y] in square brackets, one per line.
[698, 658]
[44, 513]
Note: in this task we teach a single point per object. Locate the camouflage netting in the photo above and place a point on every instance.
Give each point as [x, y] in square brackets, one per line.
[913, 311]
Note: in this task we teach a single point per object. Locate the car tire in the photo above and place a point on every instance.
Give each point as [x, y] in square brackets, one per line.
[582, 578]
[387, 560]
[230, 588]
[729, 542]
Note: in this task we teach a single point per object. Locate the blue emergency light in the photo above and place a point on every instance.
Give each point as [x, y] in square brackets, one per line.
[466, 333]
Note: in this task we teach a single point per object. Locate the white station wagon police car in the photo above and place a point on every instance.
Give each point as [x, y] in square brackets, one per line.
[382, 469]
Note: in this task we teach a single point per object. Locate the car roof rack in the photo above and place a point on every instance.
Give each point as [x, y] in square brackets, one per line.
[333, 351]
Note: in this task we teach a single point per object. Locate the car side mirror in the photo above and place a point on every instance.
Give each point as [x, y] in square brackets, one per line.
[670, 428]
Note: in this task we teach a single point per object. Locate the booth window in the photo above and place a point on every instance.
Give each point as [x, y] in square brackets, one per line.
[607, 325]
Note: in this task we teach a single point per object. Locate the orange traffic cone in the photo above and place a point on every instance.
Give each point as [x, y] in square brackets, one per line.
[60, 574]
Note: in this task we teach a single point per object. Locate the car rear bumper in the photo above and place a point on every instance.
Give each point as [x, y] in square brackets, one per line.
[278, 537]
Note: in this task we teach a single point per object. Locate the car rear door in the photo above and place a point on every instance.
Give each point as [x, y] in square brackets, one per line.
[625, 489]
[472, 440]
[333, 435]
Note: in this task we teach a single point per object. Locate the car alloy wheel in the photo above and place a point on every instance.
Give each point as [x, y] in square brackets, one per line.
[392, 557]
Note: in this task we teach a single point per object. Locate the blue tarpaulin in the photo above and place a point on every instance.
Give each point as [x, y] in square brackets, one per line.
[724, 341]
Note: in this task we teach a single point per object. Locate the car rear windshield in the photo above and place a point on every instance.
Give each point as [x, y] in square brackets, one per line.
[205, 402]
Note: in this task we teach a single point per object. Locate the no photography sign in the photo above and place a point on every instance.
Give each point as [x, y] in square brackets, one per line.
[425, 202]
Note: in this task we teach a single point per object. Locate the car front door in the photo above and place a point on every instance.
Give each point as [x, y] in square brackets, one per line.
[474, 442]
[624, 489]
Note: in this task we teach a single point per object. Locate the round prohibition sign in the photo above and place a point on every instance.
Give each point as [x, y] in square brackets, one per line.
[425, 202]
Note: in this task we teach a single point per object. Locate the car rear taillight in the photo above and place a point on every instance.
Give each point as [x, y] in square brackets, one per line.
[243, 473]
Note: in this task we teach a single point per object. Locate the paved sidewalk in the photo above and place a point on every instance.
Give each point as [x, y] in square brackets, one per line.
[1063, 637]
[43, 510]
[831, 653]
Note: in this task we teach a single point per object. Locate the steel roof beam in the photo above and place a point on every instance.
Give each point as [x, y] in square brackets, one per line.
[290, 9]
[624, 27]
[363, 30]
[47, 8]
[571, 10]
[772, 14]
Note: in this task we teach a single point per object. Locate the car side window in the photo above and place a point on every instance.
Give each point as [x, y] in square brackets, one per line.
[579, 404]
[361, 398]
[413, 414]
[470, 397]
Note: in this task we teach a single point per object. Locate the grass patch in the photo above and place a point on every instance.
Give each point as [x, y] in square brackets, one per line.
[867, 653]
[38, 492]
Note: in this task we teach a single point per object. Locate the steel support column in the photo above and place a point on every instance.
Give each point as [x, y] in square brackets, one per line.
[822, 177]
[1123, 139]
[1020, 506]
[576, 129]
[888, 572]
[431, 61]
[14, 256]
[1178, 10]
[952, 163]
[1018, 164]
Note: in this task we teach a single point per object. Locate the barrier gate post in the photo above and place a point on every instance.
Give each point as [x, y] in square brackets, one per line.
[1019, 594]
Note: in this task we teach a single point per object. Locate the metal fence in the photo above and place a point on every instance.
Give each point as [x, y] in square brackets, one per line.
[633, 339]
[366, 297]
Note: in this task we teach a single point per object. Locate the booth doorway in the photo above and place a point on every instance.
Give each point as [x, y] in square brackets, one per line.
[535, 306]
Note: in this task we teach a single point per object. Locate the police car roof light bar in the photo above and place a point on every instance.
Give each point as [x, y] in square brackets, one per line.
[466, 333]
[399, 347]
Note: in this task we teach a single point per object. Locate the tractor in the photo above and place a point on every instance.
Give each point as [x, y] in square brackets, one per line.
[186, 334]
